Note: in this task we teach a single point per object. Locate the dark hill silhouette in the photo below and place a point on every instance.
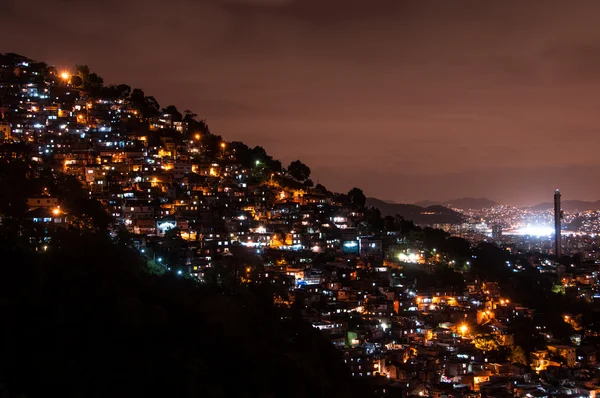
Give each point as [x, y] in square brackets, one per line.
[461, 203]
[419, 215]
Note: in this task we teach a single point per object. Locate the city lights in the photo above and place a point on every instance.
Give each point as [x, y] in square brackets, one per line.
[418, 294]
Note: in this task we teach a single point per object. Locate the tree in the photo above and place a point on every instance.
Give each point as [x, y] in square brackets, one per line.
[91, 81]
[389, 223]
[517, 356]
[137, 96]
[321, 189]
[357, 197]
[298, 170]
[189, 115]
[95, 81]
[174, 112]
[83, 71]
[124, 90]
[309, 183]
[173, 234]
[485, 343]
[147, 105]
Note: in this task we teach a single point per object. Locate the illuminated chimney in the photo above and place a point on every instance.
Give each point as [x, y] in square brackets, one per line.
[557, 218]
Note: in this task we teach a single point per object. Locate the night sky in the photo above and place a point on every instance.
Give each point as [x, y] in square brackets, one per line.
[408, 100]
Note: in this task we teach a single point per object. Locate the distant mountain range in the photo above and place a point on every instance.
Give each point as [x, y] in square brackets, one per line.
[461, 203]
[569, 205]
[483, 203]
[428, 215]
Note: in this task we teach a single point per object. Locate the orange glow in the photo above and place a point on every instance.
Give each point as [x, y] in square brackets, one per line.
[56, 211]
[65, 75]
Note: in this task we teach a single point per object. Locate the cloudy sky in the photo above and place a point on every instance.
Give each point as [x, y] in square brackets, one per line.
[409, 100]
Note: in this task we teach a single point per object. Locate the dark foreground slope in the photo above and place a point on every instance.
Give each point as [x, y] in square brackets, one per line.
[84, 319]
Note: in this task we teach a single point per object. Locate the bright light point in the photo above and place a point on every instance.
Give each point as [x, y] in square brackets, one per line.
[159, 259]
[257, 162]
[536, 230]
[197, 136]
[56, 212]
[409, 258]
[179, 272]
[464, 328]
[384, 325]
[65, 75]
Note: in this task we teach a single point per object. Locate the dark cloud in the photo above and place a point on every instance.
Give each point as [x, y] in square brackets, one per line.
[384, 94]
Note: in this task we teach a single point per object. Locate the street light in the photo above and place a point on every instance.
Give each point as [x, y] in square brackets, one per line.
[65, 75]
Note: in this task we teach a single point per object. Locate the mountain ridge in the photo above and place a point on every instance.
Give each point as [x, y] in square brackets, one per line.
[434, 214]
[569, 205]
[465, 203]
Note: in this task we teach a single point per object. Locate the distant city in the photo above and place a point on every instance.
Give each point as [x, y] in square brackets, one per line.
[528, 227]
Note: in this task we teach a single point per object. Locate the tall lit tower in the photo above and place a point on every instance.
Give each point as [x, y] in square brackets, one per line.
[557, 219]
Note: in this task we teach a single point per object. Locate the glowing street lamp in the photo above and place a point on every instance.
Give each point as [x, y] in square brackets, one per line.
[464, 329]
[56, 211]
[197, 136]
[65, 75]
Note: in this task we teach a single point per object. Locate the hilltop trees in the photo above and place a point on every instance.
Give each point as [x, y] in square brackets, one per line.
[91, 81]
[357, 197]
[173, 112]
[298, 171]
[147, 105]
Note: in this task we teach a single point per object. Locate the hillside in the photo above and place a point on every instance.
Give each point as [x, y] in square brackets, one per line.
[461, 203]
[92, 309]
[419, 215]
[84, 315]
